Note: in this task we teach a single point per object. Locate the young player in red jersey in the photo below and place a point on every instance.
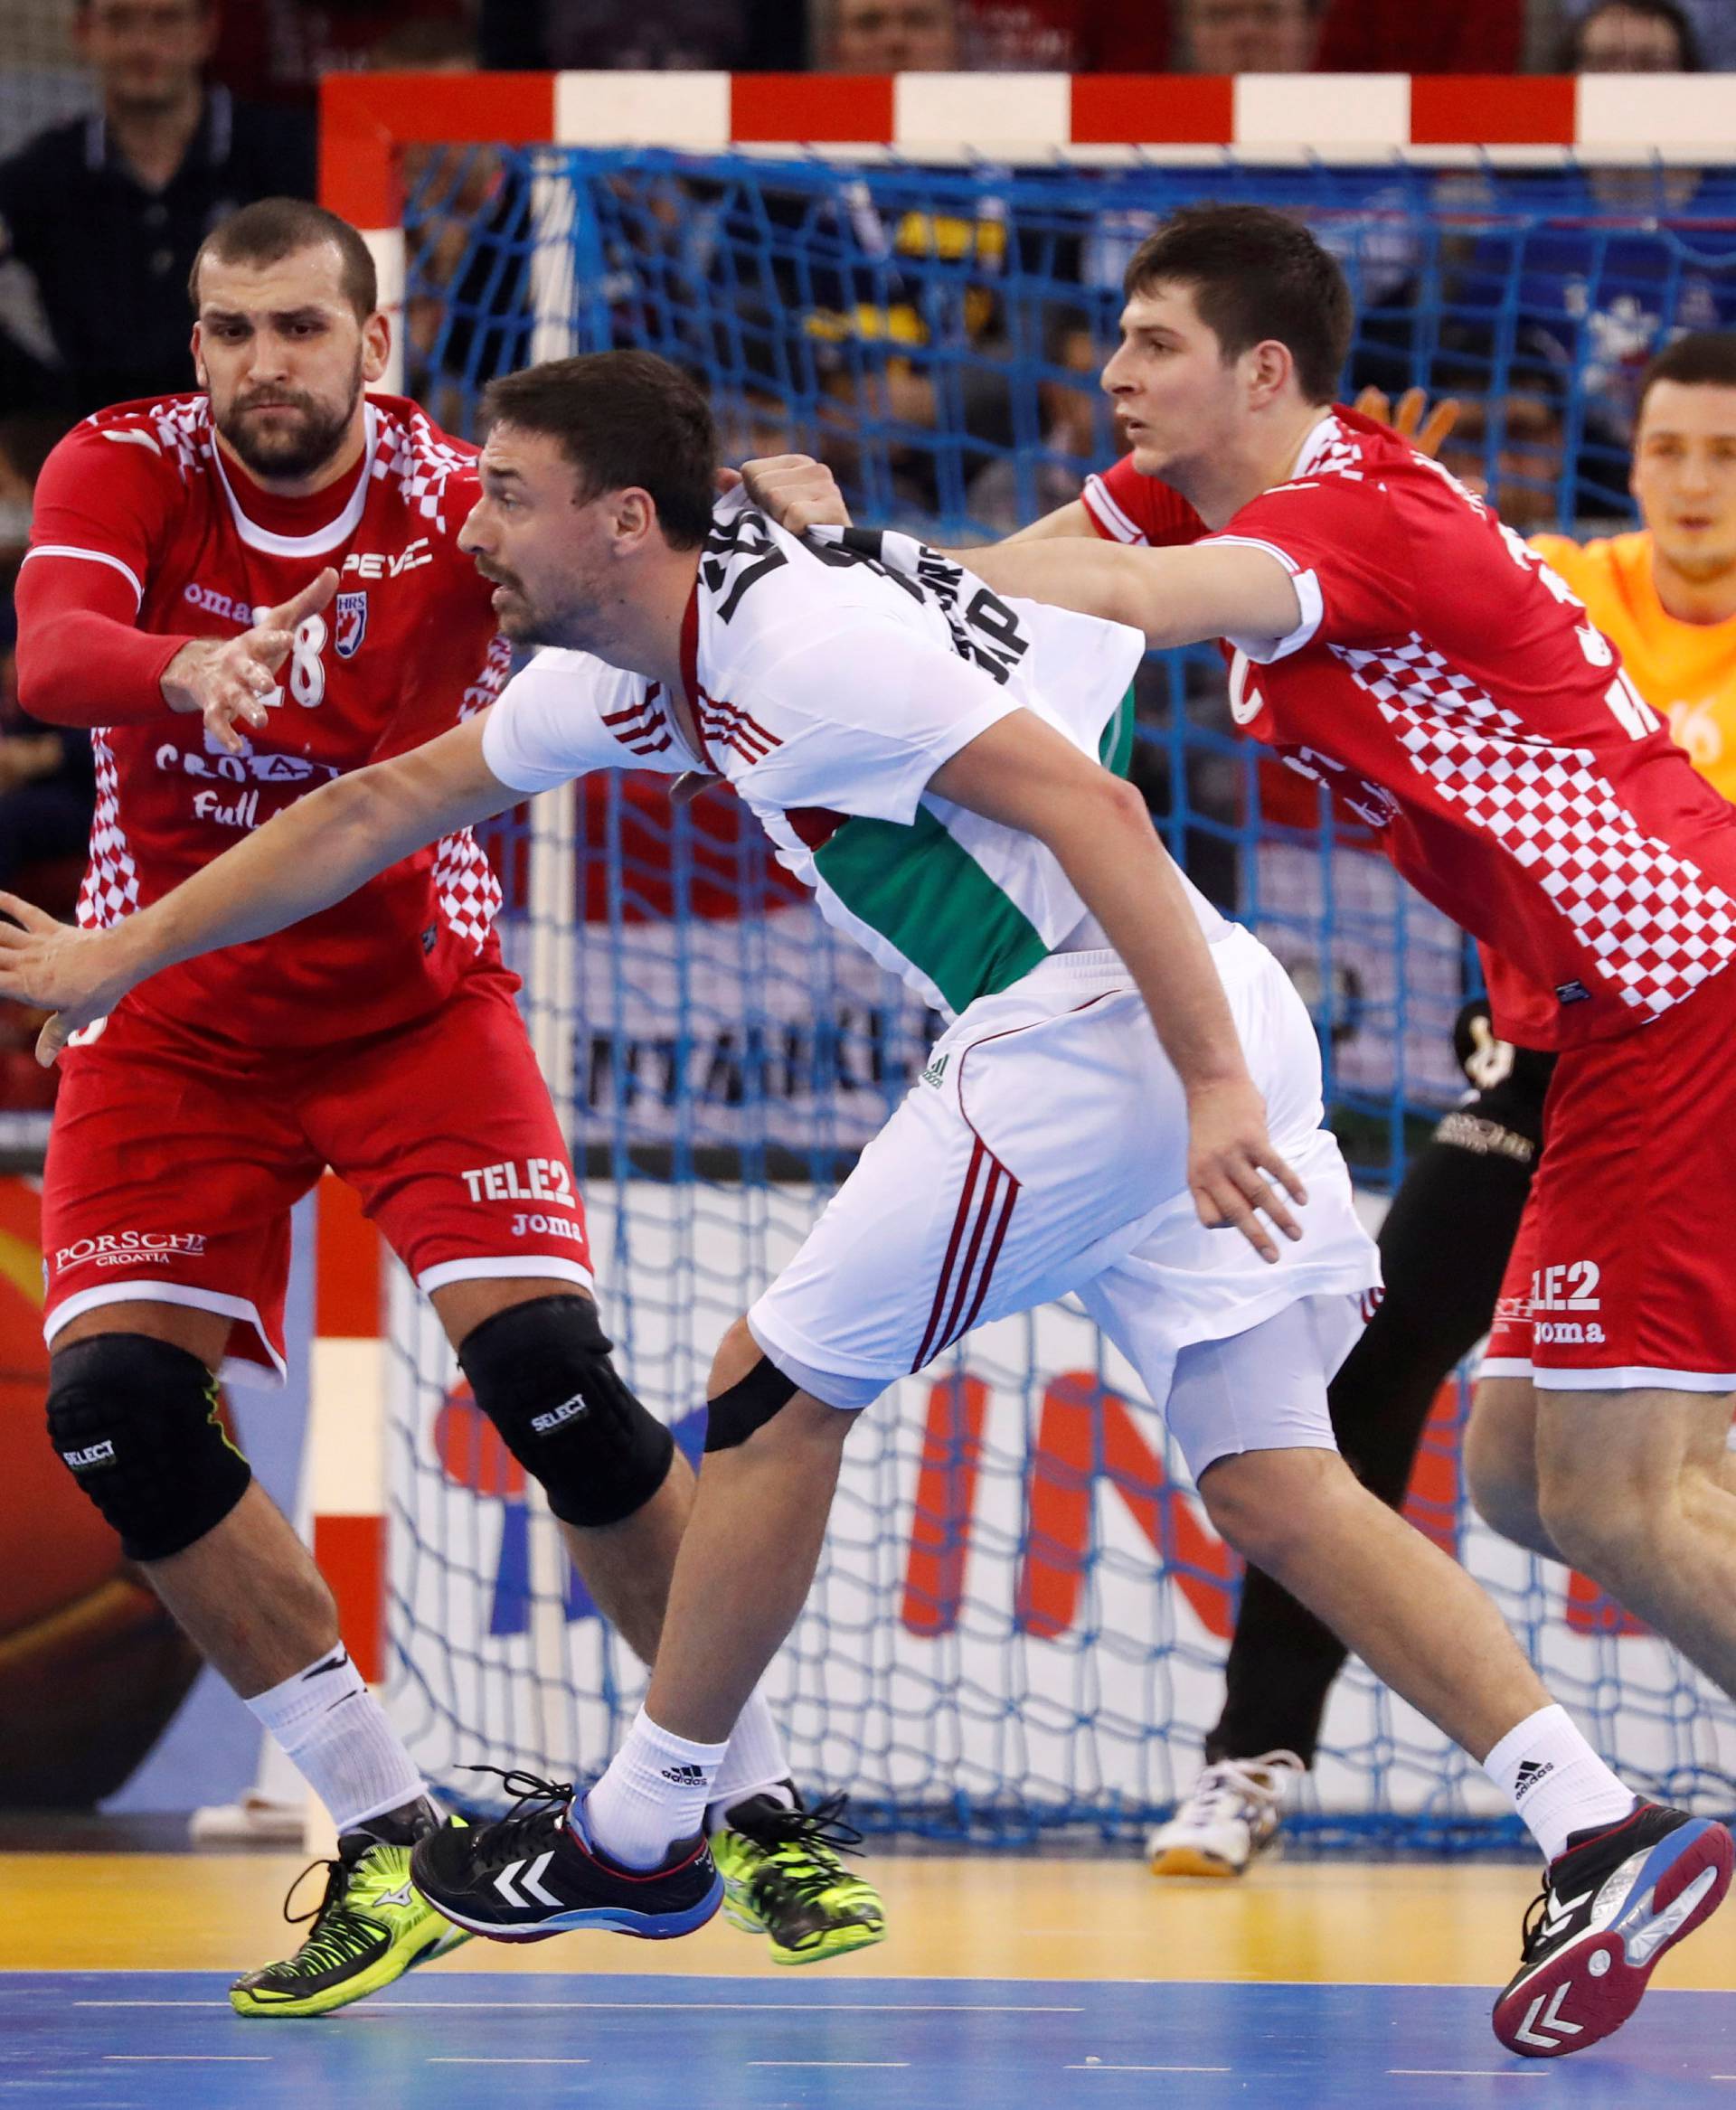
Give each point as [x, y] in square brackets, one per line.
[598, 497]
[246, 593]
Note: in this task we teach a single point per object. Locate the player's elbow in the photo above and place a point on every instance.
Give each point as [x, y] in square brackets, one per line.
[42, 680]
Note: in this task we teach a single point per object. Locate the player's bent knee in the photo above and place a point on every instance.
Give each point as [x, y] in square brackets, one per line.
[1268, 1504]
[542, 1373]
[135, 1421]
[734, 1413]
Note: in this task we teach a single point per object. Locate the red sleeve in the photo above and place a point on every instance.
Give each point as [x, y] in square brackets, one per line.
[102, 509]
[1124, 506]
[1346, 554]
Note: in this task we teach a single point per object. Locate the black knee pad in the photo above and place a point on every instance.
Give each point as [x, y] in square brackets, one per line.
[540, 1372]
[748, 1404]
[135, 1422]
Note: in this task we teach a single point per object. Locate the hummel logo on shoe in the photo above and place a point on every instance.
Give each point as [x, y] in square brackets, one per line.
[1530, 1774]
[685, 1775]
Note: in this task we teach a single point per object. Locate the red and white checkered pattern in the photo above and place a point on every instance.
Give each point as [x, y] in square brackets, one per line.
[111, 889]
[422, 463]
[467, 890]
[1658, 926]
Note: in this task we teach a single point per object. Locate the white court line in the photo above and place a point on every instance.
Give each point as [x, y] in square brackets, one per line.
[505, 2062]
[1104, 2065]
[1473, 2073]
[665, 2007]
[188, 2058]
[878, 2065]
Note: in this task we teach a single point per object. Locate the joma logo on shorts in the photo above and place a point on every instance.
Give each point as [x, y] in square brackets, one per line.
[1571, 1287]
[111, 1249]
[1569, 1333]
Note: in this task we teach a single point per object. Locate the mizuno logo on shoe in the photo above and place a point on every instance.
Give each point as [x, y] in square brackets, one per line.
[685, 1775]
[404, 1895]
[1530, 1774]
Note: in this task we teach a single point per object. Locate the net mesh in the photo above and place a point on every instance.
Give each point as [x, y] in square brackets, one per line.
[1021, 1611]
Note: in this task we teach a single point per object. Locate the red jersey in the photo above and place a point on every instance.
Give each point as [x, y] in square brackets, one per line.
[140, 505]
[1124, 506]
[1456, 698]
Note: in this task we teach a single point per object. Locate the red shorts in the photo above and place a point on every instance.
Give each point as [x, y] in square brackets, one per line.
[1624, 1271]
[174, 1160]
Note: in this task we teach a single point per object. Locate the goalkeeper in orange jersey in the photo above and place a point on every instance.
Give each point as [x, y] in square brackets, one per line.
[1665, 595]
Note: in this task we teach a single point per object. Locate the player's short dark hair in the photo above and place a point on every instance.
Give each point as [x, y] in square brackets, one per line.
[271, 228]
[1255, 274]
[1701, 358]
[625, 420]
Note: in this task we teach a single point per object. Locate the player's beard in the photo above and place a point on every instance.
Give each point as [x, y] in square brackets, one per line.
[291, 451]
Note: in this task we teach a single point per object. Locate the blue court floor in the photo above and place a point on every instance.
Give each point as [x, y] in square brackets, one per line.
[455, 2041]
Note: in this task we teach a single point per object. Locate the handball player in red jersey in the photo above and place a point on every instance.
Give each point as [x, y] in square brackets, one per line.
[1394, 642]
[246, 592]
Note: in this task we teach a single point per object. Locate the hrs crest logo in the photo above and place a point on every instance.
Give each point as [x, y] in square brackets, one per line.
[352, 626]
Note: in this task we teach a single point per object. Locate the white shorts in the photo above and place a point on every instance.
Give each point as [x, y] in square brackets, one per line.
[1044, 1151]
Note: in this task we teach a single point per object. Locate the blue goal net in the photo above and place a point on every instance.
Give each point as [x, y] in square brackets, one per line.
[1022, 1612]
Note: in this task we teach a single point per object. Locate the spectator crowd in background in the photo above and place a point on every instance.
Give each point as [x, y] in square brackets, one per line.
[129, 128]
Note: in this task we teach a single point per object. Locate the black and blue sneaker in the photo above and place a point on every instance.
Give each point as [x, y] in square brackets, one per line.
[1611, 1904]
[535, 1872]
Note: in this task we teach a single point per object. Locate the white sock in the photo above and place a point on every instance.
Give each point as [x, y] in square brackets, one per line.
[754, 1763]
[1557, 1781]
[335, 1734]
[655, 1793]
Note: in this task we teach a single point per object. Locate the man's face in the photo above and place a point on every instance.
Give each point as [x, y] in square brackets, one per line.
[1621, 40]
[146, 55]
[1175, 398]
[895, 36]
[1685, 475]
[284, 360]
[548, 551]
[1251, 36]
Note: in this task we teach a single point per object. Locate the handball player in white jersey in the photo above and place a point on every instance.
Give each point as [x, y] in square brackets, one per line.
[1127, 1105]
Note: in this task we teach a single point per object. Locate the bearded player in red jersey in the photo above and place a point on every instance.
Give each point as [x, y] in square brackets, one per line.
[245, 593]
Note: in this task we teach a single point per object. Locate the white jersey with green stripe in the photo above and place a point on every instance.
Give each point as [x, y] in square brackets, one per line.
[830, 677]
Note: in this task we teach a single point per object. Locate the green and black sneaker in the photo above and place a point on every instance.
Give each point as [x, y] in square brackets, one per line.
[783, 1876]
[371, 1925]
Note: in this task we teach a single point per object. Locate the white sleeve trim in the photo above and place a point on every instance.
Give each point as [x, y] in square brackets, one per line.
[1096, 500]
[89, 557]
[1263, 651]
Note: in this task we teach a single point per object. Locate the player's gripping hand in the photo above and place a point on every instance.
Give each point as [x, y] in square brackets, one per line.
[1426, 434]
[77, 974]
[228, 679]
[1228, 1158]
[797, 491]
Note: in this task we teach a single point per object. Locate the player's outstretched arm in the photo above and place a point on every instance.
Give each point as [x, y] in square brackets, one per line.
[321, 849]
[1024, 773]
[1176, 597]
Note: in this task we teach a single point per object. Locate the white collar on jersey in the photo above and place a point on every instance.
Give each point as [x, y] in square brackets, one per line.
[330, 537]
[1320, 438]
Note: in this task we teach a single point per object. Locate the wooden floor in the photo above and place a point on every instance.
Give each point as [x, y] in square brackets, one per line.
[1058, 1984]
[1313, 1922]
